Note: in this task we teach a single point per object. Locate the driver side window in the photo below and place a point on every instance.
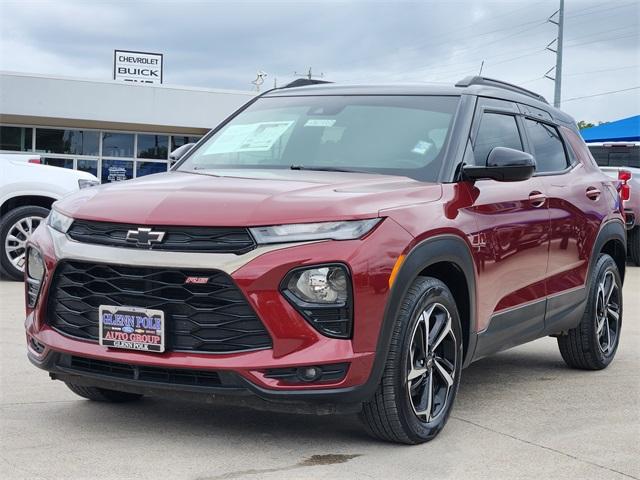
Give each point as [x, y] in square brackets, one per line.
[496, 130]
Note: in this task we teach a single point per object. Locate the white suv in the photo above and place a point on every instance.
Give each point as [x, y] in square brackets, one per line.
[27, 191]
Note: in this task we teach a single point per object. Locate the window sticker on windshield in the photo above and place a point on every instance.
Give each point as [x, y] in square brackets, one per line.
[332, 134]
[320, 122]
[422, 147]
[252, 137]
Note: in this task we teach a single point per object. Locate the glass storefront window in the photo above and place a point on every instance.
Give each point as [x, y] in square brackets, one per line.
[76, 142]
[90, 166]
[135, 154]
[153, 146]
[116, 170]
[57, 162]
[18, 139]
[117, 144]
[179, 140]
[147, 168]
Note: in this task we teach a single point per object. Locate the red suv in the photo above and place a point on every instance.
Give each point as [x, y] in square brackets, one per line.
[336, 249]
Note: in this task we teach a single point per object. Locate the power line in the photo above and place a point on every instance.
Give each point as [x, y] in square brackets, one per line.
[603, 40]
[575, 74]
[445, 68]
[606, 10]
[448, 70]
[601, 94]
[431, 43]
[603, 70]
[608, 31]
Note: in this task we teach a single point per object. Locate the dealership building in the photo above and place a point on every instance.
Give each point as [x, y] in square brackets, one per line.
[115, 130]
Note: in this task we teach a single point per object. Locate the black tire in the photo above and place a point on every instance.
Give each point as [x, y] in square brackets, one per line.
[633, 246]
[102, 394]
[391, 414]
[8, 221]
[582, 347]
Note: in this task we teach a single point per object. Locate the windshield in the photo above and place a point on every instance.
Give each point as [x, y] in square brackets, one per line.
[398, 135]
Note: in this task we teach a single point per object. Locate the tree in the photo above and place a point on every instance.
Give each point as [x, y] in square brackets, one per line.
[582, 124]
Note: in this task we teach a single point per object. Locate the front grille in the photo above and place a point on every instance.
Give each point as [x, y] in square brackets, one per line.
[178, 239]
[173, 376]
[213, 317]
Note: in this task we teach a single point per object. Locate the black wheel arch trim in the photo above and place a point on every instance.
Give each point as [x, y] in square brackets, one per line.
[449, 248]
[611, 230]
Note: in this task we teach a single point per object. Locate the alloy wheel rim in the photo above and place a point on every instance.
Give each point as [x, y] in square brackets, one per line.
[607, 313]
[15, 245]
[432, 363]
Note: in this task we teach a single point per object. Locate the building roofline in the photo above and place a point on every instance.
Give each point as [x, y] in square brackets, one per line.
[127, 84]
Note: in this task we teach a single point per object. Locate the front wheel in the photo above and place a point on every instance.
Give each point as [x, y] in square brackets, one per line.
[594, 342]
[422, 371]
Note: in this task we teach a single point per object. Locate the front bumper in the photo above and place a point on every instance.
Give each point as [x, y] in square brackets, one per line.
[258, 275]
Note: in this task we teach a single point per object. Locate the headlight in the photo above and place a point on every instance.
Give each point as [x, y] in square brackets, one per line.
[299, 232]
[35, 274]
[82, 183]
[323, 295]
[59, 221]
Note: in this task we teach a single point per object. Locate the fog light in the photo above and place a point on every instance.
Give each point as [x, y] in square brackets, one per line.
[309, 374]
[334, 372]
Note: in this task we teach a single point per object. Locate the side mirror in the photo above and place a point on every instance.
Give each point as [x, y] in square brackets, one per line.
[179, 152]
[504, 165]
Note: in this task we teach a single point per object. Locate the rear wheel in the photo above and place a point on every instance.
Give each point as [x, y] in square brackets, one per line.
[102, 394]
[16, 229]
[594, 342]
[633, 246]
[422, 371]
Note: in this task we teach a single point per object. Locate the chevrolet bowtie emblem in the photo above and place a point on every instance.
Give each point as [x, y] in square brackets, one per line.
[144, 236]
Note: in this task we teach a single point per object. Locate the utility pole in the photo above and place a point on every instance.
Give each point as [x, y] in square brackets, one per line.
[557, 77]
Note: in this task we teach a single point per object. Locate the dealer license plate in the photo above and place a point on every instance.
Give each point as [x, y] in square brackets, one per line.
[131, 328]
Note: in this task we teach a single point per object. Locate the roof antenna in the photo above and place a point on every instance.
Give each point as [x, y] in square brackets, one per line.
[481, 67]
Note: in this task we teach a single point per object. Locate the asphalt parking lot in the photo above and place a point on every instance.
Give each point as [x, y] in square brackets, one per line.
[519, 414]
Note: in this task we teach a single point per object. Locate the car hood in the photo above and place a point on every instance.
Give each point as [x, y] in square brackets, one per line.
[246, 198]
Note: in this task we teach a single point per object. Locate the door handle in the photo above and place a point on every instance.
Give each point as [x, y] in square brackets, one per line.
[537, 199]
[593, 193]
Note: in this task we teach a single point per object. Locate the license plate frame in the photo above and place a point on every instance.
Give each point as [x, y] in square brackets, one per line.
[131, 328]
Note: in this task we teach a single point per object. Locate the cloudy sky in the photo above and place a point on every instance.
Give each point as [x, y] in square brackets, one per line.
[222, 44]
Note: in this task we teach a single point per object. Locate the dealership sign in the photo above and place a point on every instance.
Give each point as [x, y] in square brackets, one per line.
[140, 67]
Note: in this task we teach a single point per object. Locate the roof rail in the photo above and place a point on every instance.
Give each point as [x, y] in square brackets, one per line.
[303, 82]
[492, 82]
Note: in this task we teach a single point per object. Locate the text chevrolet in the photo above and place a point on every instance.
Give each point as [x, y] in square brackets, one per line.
[336, 249]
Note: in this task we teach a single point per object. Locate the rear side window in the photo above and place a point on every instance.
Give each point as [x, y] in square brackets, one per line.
[548, 148]
[496, 130]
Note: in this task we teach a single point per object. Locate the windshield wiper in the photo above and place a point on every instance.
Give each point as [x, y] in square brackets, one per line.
[325, 169]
